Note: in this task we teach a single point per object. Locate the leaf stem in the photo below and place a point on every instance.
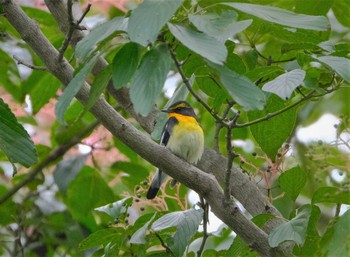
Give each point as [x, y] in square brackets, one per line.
[188, 85]
[205, 207]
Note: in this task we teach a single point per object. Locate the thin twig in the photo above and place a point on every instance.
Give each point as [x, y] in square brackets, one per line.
[205, 207]
[270, 115]
[230, 157]
[269, 59]
[164, 245]
[57, 153]
[33, 67]
[337, 210]
[72, 27]
[220, 125]
[188, 85]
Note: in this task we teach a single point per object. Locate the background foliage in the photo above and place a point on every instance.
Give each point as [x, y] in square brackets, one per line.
[269, 66]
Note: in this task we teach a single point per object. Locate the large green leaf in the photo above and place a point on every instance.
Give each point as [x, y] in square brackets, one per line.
[313, 7]
[45, 88]
[67, 170]
[149, 79]
[14, 139]
[98, 86]
[339, 244]
[241, 89]
[293, 230]
[221, 27]
[283, 17]
[285, 84]
[124, 64]
[114, 209]
[9, 76]
[102, 238]
[200, 43]
[340, 65]
[331, 195]
[7, 209]
[186, 223]
[292, 181]
[312, 234]
[272, 133]
[86, 192]
[73, 88]
[341, 9]
[139, 237]
[98, 35]
[149, 18]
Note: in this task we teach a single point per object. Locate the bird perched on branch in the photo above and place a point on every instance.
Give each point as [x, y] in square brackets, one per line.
[183, 135]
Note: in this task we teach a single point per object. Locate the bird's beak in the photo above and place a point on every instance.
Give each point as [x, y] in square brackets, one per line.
[165, 110]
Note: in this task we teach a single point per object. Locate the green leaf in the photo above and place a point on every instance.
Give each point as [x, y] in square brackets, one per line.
[313, 7]
[312, 235]
[45, 89]
[200, 43]
[67, 170]
[241, 89]
[114, 209]
[139, 237]
[186, 223]
[99, 34]
[285, 84]
[272, 133]
[7, 209]
[124, 64]
[221, 27]
[292, 181]
[98, 86]
[147, 20]
[102, 238]
[339, 64]
[341, 9]
[87, 191]
[14, 139]
[9, 76]
[73, 88]
[331, 195]
[264, 73]
[283, 17]
[339, 244]
[149, 79]
[293, 230]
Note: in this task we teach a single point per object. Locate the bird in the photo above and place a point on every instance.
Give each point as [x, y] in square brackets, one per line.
[183, 136]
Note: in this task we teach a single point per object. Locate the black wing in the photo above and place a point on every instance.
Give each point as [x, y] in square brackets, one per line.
[167, 130]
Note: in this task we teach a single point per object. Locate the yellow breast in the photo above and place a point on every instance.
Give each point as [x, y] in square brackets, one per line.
[187, 138]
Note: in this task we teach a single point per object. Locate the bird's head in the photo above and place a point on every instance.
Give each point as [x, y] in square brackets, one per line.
[181, 107]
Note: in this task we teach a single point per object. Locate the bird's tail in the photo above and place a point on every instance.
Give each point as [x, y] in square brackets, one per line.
[155, 184]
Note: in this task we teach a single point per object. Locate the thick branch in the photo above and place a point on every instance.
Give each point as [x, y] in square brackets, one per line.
[212, 162]
[205, 184]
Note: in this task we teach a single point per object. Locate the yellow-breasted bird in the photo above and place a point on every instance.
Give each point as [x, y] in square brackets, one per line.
[183, 136]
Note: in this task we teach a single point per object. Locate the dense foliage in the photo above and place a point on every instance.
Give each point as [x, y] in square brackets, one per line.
[255, 71]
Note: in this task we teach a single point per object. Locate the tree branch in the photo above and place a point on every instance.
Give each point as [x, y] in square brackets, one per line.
[72, 27]
[205, 184]
[30, 66]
